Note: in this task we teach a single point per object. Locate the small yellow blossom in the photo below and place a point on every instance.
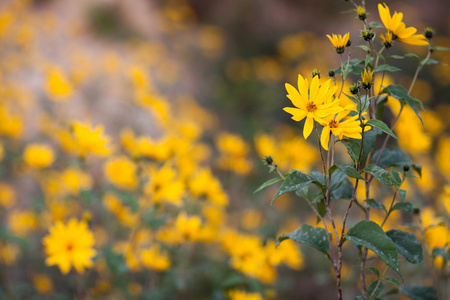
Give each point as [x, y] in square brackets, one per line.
[68, 245]
[387, 39]
[188, 227]
[7, 195]
[398, 29]
[58, 87]
[22, 222]
[90, 140]
[11, 124]
[362, 15]
[339, 42]
[42, 284]
[367, 79]
[155, 259]
[242, 295]
[121, 171]
[38, 155]
[76, 180]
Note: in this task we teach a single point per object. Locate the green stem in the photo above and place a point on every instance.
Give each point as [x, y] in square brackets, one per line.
[378, 283]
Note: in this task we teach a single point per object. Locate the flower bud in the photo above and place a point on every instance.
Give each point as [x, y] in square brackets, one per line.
[367, 35]
[429, 33]
[367, 79]
[354, 89]
[268, 160]
[315, 73]
[331, 73]
[361, 13]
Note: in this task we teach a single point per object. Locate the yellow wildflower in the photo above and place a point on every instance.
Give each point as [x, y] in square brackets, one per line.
[362, 15]
[38, 155]
[7, 195]
[43, 284]
[399, 31]
[121, 171]
[350, 128]
[339, 42]
[155, 259]
[76, 180]
[387, 40]
[242, 295]
[188, 227]
[315, 105]
[21, 222]
[9, 253]
[90, 140]
[367, 79]
[11, 124]
[68, 245]
[165, 185]
[58, 87]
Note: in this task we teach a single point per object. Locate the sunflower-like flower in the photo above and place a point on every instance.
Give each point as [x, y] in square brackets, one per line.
[339, 42]
[399, 31]
[350, 127]
[367, 79]
[68, 245]
[315, 105]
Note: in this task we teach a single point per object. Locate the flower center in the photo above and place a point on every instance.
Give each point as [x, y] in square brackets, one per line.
[333, 124]
[311, 107]
[69, 247]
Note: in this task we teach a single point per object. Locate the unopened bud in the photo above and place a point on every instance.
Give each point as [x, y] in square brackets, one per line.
[315, 73]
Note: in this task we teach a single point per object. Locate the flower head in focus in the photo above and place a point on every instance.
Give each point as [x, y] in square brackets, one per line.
[339, 42]
[315, 105]
[68, 245]
[367, 79]
[398, 29]
[332, 124]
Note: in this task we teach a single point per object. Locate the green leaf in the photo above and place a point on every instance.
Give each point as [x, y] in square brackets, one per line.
[375, 204]
[375, 25]
[441, 48]
[380, 125]
[370, 289]
[370, 235]
[341, 187]
[315, 237]
[396, 56]
[406, 206]
[440, 252]
[387, 68]
[396, 177]
[431, 61]
[391, 158]
[370, 138]
[372, 270]
[352, 149]
[413, 56]
[407, 245]
[381, 175]
[402, 193]
[364, 47]
[392, 280]
[400, 93]
[419, 292]
[294, 182]
[368, 60]
[380, 107]
[268, 183]
[347, 169]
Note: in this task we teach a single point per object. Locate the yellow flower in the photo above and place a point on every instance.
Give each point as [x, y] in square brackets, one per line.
[11, 124]
[242, 295]
[38, 155]
[165, 185]
[399, 31]
[361, 13]
[7, 195]
[76, 180]
[188, 227]
[155, 259]
[90, 140]
[350, 128]
[43, 284]
[68, 245]
[387, 40]
[121, 171]
[339, 42]
[21, 222]
[367, 79]
[57, 86]
[315, 105]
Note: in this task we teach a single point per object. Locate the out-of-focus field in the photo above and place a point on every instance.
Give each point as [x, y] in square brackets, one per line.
[132, 133]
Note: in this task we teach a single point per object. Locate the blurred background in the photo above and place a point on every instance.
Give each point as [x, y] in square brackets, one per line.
[189, 93]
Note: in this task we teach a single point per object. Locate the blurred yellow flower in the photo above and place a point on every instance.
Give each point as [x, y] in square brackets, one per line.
[9, 253]
[165, 185]
[68, 245]
[76, 180]
[38, 155]
[11, 124]
[2, 152]
[121, 171]
[7, 195]
[58, 87]
[21, 222]
[188, 227]
[242, 295]
[155, 259]
[90, 140]
[42, 284]
[233, 150]
[399, 31]
[315, 104]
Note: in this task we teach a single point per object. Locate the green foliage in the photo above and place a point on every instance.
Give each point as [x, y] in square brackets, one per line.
[381, 175]
[387, 68]
[370, 235]
[268, 183]
[315, 237]
[407, 245]
[375, 204]
[419, 292]
[349, 170]
[401, 94]
[382, 126]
